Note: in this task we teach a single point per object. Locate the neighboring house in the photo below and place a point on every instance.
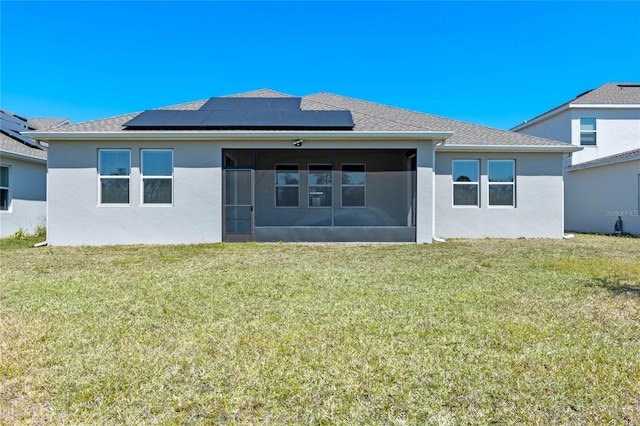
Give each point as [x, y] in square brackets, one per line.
[602, 182]
[23, 171]
[266, 166]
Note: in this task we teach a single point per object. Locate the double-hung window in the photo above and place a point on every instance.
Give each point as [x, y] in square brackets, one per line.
[4, 188]
[502, 182]
[320, 183]
[157, 176]
[354, 184]
[287, 185]
[587, 130]
[465, 182]
[114, 173]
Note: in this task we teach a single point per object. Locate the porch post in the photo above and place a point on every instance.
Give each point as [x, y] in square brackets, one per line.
[424, 193]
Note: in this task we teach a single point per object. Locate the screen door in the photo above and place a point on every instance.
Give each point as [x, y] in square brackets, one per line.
[238, 205]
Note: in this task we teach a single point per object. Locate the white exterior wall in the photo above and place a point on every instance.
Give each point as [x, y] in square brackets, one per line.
[617, 130]
[27, 194]
[596, 196]
[76, 218]
[539, 199]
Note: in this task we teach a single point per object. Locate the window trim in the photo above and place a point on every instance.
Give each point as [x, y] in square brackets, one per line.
[343, 185]
[513, 184]
[276, 185]
[101, 176]
[594, 131]
[7, 188]
[476, 183]
[329, 185]
[143, 177]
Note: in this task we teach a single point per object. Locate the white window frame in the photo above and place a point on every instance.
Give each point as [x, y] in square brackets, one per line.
[343, 185]
[489, 183]
[594, 131]
[7, 188]
[277, 185]
[476, 183]
[325, 185]
[101, 176]
[143, 177]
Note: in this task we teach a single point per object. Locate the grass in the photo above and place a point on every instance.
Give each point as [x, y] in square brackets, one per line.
[467, 332]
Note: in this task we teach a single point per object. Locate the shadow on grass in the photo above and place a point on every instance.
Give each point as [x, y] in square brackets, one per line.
[615, 286]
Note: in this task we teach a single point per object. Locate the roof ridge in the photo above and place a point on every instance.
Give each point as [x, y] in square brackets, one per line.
[429, 115]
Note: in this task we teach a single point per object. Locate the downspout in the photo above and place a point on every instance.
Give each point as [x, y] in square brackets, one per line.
[565, 157]
[433, 194]
[45, 147]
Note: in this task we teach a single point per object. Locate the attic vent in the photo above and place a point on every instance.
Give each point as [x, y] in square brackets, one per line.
[628, 85]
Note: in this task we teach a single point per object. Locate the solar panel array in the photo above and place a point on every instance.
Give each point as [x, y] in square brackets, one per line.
[244, 114]
[11, 125]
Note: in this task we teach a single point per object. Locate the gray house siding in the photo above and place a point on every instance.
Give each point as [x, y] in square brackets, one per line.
[27, 194]
[538, 199]
[76, 216]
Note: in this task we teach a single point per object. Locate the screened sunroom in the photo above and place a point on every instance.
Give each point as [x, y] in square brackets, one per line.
[319, 195]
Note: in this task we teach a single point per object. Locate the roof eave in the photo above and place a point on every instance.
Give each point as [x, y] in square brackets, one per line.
[508, 148]
[611, 162]
[267, 135]
[23, 157]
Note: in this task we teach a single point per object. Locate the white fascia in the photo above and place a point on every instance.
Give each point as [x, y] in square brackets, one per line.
[236, 135]
[567, 106]
[507, 148]
[606, 106]
[23, 157]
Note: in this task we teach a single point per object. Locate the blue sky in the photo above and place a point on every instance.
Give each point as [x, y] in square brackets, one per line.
[492, 63]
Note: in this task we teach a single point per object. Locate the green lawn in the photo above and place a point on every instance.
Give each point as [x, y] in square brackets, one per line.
[465, 332]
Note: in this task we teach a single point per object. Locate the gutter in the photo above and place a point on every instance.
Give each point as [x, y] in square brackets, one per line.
[23, 157]
[233, 135]
[508, 148]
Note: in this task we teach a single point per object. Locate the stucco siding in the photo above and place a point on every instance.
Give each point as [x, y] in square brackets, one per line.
[596, 196]
[617, 130]
[538, 211]
[76, 218]
[557, 127]
[27, 195]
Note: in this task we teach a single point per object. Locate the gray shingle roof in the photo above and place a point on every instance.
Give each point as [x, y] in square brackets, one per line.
[47, 123]
[611, 93]
[368, 116]
[12, 145]
[622, 157]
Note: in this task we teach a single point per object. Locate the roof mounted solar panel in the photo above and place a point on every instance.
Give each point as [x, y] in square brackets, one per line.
[12, 125]
[282, 104]
[244, 114]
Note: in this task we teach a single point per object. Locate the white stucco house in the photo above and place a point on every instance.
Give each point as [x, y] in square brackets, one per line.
[266, 166]
[602, 182]
[23, 171]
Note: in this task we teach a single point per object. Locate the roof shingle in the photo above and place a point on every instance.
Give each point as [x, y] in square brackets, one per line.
[367, 116]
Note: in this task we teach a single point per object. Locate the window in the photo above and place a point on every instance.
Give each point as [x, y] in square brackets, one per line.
[465, 182]
[287, 185]
[4, 188]
[587, 130]
[501, 182]
[157, 176]
[320, 182]
[114, 170]
[353, 185]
